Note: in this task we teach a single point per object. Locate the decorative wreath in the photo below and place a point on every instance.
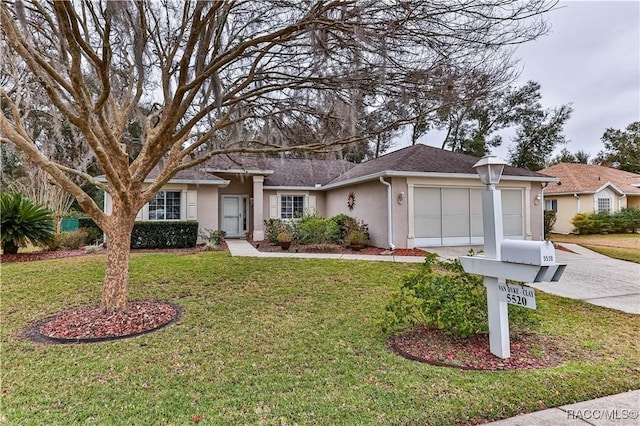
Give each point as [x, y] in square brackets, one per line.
[351, 200]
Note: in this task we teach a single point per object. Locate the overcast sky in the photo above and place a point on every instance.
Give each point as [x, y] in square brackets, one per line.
[590, 58]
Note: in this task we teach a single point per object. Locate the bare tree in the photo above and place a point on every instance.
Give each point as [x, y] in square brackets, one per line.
[202, 78]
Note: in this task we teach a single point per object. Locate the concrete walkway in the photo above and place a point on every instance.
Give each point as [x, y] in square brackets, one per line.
[616, 410]
[589, 276]
[244, 248]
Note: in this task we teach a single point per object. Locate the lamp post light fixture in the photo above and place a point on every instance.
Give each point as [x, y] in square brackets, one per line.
[525, 261]
[490, 168]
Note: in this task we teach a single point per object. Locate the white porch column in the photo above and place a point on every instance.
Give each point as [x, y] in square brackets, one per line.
[258, 208]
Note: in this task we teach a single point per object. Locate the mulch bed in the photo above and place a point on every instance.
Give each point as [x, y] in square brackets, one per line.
[59, 254]
[435, 347]
[266, 246]
[91, 324]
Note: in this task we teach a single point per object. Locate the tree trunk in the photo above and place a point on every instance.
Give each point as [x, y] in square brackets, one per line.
[9, 248]
[116, 280]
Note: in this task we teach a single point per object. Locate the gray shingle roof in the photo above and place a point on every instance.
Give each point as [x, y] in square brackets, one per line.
[286, 171]
[298, 172]
[425, 159]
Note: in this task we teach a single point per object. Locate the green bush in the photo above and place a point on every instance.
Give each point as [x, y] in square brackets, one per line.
[157, 234]
[212, 238]
[550, 218]
[626, 220]
[592, 223]
[23, 222]
[453, 301]
[312, 229]
[94, 233]
[346, 225]
[70, 240]
[272, 227]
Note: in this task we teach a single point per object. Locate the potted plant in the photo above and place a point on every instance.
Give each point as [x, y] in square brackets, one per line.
[355, 239]
[284, 239]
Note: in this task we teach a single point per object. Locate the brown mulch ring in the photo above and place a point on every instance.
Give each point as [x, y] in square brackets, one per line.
[266, 246]
[91, 324]
[435, 347]
[59, 254]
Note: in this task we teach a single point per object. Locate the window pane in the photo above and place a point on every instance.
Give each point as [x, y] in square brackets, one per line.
[286, 207]
[298, 205]
[156, 207]
[165, 206]
[291, 206]
[604, 204]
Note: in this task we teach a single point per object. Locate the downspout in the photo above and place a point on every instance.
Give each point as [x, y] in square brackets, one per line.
[389, 218]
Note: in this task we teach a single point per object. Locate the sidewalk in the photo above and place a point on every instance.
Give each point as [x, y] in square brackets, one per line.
[244, 248]
[616, 410]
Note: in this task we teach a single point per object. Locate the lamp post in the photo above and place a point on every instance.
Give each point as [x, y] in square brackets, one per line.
[490, 168]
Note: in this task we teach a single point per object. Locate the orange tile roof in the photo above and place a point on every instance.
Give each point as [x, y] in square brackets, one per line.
[589, 178]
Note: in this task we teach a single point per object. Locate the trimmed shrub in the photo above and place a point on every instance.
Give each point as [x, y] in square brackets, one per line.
[70, 240]
[550, 218]
[451, 300]
[170, 234]
[315, 230]
[272, 227]
[94, 233]
[626, 220]
[346, 225]
[592, 223]
[212, 238]
[23, 221]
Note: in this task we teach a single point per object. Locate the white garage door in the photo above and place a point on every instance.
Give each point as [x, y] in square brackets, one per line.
[453, 216]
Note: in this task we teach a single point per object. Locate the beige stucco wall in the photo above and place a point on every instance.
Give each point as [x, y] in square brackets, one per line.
[370, 207]
[207, 206]
[567, 208]
[633, 201]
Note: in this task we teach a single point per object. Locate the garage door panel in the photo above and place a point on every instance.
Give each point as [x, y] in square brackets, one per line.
[452, 216]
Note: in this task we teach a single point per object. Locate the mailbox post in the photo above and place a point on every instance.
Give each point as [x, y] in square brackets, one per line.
[528, 261]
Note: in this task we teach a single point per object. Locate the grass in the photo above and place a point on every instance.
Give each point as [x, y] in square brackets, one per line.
[618, 246]
[276, 341]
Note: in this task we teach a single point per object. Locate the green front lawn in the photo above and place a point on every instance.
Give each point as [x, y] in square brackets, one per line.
[618, 246]
[276, 341]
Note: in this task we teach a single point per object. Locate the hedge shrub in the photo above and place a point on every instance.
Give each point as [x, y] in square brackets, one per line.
[70, 240]
[450, 299]
[159, 234]
[626, 220]
[313, 229]
[94, 233]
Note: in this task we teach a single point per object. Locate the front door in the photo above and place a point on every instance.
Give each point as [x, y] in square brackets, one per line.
[234, 215]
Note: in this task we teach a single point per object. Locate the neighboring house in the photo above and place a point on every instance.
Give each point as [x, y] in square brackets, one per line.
[414, 197]
[586, 188]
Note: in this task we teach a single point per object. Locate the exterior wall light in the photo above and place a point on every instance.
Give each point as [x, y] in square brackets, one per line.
[400, 197]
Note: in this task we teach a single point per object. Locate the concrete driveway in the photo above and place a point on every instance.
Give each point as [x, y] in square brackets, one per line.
[590, 277]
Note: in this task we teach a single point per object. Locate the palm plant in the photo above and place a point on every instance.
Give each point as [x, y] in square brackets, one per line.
[23, 222]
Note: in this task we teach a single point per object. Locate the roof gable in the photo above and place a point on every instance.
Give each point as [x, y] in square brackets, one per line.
[425, 159]
[590, 178]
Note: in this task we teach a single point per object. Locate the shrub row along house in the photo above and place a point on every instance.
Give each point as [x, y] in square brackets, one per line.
[586, 188]
[414, 197]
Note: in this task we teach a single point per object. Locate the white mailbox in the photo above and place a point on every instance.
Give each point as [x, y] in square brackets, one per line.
[539, 253]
